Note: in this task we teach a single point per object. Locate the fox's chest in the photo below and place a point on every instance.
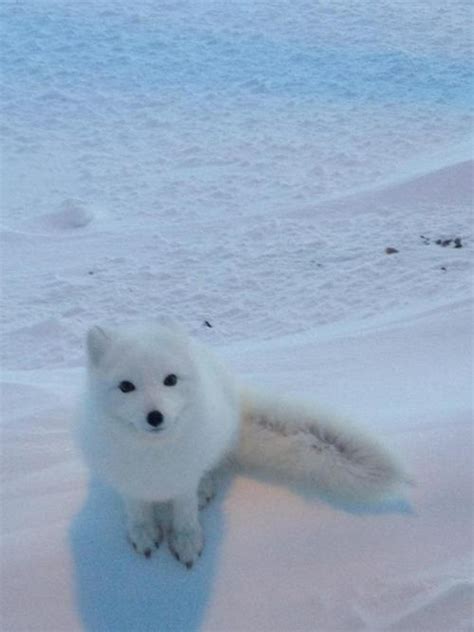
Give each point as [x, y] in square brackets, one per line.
[156, 473]
[146, 473]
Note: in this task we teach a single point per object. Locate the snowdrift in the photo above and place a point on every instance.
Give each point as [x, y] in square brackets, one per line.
[273, 561]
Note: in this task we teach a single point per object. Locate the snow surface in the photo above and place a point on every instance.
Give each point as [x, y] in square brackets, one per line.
[247, 164]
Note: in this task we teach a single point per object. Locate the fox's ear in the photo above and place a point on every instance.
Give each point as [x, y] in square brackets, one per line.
[98, 339]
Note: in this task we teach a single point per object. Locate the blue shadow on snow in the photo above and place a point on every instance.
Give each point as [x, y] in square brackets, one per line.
[390, 506]
[117, 590]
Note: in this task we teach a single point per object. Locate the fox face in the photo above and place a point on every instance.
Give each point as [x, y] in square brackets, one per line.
[142, 378]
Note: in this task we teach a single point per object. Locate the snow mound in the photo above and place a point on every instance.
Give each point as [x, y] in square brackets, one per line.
[72, 214]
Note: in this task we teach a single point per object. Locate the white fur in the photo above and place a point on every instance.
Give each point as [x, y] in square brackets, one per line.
[295, 444]
[206, 417]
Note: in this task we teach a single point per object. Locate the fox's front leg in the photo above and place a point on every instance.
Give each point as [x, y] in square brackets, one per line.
[186, 539]
[143, 532]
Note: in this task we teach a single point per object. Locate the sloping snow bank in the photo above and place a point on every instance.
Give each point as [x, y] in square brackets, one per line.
[257, 275]
[273, 560]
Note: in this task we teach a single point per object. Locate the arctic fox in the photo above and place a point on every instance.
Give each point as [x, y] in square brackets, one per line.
[161, 413]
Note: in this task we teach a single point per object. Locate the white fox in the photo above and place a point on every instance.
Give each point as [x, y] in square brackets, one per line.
[161, 413]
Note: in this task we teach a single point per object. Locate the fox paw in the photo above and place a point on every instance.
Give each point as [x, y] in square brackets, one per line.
[145, 538]
[206, 491]
[186, 545]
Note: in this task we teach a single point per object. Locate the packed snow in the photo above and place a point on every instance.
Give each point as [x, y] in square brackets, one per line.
[293, 181]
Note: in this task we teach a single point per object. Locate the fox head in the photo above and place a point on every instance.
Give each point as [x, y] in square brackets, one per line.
[142, 377]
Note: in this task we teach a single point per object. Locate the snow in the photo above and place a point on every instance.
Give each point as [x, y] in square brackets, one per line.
[246, 164]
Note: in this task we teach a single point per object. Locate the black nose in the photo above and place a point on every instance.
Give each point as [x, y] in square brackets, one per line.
[155, 418]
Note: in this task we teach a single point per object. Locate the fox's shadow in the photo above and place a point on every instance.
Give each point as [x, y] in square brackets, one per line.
[120, 591]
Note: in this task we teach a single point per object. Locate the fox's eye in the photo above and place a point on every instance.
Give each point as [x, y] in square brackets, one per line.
[170, 380]
[126, 386]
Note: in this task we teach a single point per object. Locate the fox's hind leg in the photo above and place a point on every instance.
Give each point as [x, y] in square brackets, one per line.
[206, 490]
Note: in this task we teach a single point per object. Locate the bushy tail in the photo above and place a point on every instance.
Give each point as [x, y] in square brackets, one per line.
[291, 443]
